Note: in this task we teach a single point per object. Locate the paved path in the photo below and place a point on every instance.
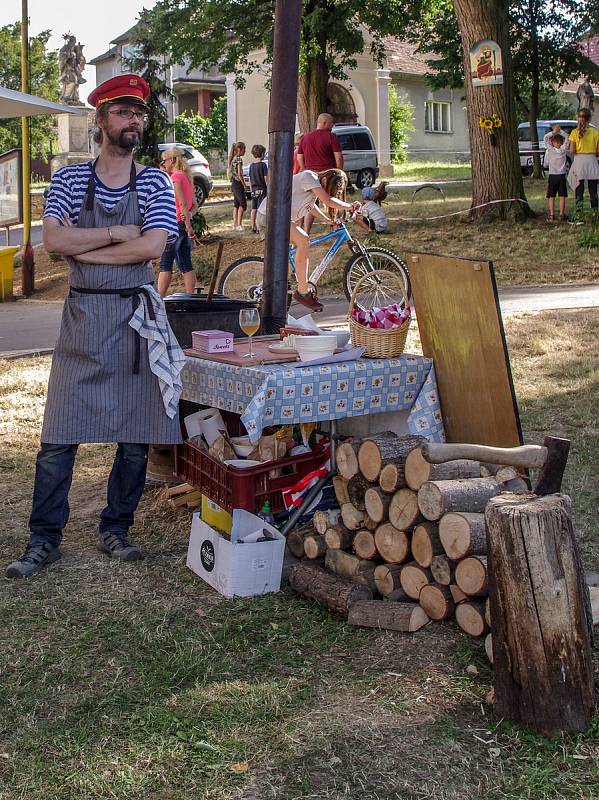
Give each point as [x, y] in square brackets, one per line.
[32, 325]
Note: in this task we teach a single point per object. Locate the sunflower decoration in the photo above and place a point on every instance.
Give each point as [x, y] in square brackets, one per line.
[490, 123]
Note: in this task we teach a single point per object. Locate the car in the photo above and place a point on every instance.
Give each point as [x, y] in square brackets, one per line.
[198, 164]
[543, 126]
[360, 159]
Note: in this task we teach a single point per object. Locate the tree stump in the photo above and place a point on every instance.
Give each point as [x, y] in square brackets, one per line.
[335, 593]
[540, 614]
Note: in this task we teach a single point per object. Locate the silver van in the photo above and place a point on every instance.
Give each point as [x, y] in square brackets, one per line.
[543, 127]
[360, 159]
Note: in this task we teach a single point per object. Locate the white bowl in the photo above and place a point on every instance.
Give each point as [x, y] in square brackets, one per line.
[242, 446]
[312, 347]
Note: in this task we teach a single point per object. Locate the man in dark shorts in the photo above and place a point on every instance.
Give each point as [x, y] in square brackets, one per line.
[318, 151]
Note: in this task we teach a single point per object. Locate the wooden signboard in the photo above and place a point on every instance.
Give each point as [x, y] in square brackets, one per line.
[461, 329]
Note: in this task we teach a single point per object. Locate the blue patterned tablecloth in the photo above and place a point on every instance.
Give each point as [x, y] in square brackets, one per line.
[277, 394]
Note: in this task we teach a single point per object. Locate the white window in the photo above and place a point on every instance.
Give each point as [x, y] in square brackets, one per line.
[128, 51]
[437, 117]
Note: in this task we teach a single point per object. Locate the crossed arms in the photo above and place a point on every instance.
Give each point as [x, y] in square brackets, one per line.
[124, 244]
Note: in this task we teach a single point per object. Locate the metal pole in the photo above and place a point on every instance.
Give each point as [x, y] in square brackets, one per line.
[281, 128]
[27, 263]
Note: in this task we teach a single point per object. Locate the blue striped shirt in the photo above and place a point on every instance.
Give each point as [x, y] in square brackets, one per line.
[155, 195]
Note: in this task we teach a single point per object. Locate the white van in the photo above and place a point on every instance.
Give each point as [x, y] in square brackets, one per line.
[543, 126]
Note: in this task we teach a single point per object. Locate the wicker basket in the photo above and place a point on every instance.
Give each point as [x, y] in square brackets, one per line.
[378, 343]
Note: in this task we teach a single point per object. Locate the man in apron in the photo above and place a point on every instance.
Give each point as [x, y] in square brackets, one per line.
[115, 373]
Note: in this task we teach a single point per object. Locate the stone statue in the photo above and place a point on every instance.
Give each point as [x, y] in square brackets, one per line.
[586, 96]
[71, 63]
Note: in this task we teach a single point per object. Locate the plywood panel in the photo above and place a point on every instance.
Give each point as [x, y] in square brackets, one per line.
[461, 330]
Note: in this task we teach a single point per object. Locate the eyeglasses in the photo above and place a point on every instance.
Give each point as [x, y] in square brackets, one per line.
[128, 114]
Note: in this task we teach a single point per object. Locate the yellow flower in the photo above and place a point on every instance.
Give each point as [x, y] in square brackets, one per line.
[481, 121]
[488, 124]
[497, 122]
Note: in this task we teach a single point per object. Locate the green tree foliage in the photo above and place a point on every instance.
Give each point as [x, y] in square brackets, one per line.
[545, 36]
[401, 120]
[204, 133]
[224, 33]
[147, 60]
[43, 83]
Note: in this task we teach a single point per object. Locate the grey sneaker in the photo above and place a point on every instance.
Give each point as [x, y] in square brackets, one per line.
[116, 545]
[35, 557]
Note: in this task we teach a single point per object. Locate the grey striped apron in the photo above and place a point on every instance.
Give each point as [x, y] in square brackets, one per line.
[95, 392]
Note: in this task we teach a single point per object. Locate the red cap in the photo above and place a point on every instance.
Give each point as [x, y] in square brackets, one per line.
[123, 87]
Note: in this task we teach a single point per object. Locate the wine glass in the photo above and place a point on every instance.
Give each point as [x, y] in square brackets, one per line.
[249, 322]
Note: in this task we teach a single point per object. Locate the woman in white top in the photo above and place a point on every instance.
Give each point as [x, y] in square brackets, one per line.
[306, 190]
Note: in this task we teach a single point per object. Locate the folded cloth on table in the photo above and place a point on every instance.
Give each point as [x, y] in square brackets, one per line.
[382, 318]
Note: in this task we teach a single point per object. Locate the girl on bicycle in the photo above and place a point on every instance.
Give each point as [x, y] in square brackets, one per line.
[235, 173]
[307, 188]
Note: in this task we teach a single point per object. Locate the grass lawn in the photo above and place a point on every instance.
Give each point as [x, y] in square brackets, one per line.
[431, 171]
[137, 682]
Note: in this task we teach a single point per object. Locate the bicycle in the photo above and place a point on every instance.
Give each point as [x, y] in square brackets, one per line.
[242, 280]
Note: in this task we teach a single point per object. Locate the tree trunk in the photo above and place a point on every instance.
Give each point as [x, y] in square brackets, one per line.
[393, 545]
[463, 534]
[418, 470]
[437, 601]
[496, 173]
[336, 593]
[312, 91]
[405, 617]
[436, 498]
[537, 169]
[540, 614]
[347, 566]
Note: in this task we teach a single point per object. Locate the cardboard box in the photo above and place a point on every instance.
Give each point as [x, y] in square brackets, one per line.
[237, 568]
[212, 341]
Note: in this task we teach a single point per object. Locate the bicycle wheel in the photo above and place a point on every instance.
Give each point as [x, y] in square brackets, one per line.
[377, 258]
[242, 280]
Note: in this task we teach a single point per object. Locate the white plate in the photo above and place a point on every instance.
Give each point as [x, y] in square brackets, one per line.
[280, 349]
[242, 463]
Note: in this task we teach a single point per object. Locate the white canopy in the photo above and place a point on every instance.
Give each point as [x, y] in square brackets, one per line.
[18, 104]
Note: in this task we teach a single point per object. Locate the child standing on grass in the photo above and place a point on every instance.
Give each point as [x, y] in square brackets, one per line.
[258, 181]
[557, 155]
[235, 172]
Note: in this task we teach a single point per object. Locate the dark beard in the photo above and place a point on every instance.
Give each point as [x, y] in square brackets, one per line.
[127, 144]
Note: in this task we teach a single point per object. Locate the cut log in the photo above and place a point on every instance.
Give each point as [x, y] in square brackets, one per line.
[489, 646]
[387, 579]
[364, 546]
[377, 504]
[488, 612]
[295, 539]
[347, 566]
[398, 596]
[437, 601]
[505, 474]
[393, 545]
[463, 534]
[413, 577]
[418, 470]
[325, 519]
[403, 510]
[442, 570]
[337, 594]
[517, 485]
[540, 614]
[338, 537]
[405, 617]
[470, 616]
[314, 546]
[352, 518]
[471, 576]
[369, 523]
[375, 452]
[426, 543]
[346, 456]
[436, 498]
[356, 488]
[457, 594]
[340, 487]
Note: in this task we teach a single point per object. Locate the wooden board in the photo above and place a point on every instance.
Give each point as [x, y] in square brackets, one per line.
[262, 354]
[461, 329]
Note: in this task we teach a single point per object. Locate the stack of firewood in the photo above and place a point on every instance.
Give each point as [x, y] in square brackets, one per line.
[408, 531]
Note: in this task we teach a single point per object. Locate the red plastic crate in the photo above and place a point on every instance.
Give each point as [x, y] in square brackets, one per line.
[232, 487]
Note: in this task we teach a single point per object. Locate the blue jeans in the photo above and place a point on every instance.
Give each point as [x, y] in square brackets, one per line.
[53, 476]
[178, 251]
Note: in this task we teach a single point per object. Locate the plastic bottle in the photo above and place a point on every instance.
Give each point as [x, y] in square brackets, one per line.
[266, 514]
